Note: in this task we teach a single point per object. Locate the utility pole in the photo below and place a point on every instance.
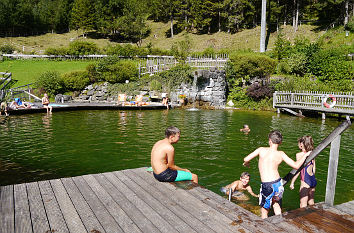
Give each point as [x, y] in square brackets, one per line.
[263, 26]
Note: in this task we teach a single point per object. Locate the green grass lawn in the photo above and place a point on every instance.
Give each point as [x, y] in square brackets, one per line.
[27, 71]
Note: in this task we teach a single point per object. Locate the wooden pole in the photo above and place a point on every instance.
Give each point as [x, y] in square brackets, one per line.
[263, 26]
[332, 171]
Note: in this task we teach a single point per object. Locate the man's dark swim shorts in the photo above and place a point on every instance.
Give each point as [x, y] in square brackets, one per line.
[271, 191]
[170, 175]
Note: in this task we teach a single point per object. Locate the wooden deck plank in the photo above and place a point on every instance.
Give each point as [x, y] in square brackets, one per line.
[215, 220]
[132, 211]
[55, 217]
[7, 221]
[158, 219]
[106, 220]
[172, 213]
[347, 207]
[240, 216]
[86, 214]
[38, 214]
[124, 184]
[124, 221]
[67, 208]
[22, 212]
[169, 203]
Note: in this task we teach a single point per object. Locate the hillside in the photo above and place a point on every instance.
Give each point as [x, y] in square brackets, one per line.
[246, 39]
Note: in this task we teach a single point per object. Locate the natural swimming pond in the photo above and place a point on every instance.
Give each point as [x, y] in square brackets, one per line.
[40, 146]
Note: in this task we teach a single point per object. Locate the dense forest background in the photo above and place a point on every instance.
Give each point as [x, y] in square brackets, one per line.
[125, 20]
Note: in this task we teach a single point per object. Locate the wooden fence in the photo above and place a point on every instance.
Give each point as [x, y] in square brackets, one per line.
[157, 64]
[342, 103]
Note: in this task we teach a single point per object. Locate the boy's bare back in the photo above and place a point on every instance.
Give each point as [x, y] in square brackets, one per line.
[269, 160]
[159, 155]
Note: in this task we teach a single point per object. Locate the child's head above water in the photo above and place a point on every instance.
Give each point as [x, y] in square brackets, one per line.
[245, 178]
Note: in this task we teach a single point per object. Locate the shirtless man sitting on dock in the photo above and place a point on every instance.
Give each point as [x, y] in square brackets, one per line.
[163, 159]
[269, 159]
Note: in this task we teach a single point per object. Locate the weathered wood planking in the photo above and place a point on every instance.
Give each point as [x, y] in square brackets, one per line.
[133, 201]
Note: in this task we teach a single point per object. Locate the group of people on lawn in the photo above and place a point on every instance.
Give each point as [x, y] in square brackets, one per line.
[271, 191]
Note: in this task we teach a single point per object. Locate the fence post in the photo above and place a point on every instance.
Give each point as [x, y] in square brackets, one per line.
[332, 171]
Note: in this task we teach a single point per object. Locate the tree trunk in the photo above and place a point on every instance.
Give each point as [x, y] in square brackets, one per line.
[346, 16]
[263, 26]
[219, 23]
[171, 26]
[294, 14]
[297, 16]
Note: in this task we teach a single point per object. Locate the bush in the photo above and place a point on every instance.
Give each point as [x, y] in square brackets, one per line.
[331, 65]
[76, 80]
[155, 85]
[297, 63]
[51, 82]
[114, 70]
[7, 49]
[283, 68]
[56, 51]
[257, 91]
[82, 48]
[350, 25]
[92, 73]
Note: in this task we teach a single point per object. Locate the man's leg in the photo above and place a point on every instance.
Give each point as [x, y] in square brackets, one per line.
[264, 213]
[194, 178]
[276, 208]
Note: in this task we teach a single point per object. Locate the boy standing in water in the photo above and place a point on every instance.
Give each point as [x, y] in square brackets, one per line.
[269, 159]
[163, 159]
[246, 129]
[308, 180]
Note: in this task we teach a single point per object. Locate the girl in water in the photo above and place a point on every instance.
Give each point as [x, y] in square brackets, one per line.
[308, 180]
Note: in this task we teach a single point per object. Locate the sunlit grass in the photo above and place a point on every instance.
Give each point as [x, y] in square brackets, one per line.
[27, 71]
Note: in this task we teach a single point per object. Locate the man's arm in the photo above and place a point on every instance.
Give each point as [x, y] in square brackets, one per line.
[292, 163]
[249, 189]
[249, 157]
[298, 156]
[171, 160]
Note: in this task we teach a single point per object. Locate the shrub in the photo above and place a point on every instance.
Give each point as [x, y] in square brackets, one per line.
[258, 91]
[92, 73]
[56, 51]
[114, 70]
[51, 82]
[7, 49]
[283, 68]
[155, 85]
[350, 25]
[75, 80]
[82, 48]
[297, 63]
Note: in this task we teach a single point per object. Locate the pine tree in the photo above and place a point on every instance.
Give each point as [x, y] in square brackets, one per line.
[83, 15]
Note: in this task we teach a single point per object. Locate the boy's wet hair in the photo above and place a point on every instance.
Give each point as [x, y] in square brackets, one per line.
[171, 131]
[243, 174]
[245, 126]
[307, 141]
[275, 136]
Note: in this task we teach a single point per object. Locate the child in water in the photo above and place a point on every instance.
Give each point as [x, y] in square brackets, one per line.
[308, 180]
[246, 129]
[239, 185]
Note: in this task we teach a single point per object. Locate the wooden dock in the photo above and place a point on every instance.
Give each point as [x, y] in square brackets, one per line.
[133, 201]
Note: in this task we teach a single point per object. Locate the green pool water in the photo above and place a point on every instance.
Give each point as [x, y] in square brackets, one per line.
[40, 146]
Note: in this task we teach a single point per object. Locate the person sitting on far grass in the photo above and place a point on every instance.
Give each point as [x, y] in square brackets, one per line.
[3, 108]
[269, 160]
[45, 102]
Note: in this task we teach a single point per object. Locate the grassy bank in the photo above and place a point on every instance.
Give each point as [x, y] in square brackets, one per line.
[246, 39]
[27, 71]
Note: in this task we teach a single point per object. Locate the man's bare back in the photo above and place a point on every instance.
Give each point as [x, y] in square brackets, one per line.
[159, 155]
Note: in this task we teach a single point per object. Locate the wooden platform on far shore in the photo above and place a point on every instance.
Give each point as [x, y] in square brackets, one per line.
[87, 106]
[133, 201]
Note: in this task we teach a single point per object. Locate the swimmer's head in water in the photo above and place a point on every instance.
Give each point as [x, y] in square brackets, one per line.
[245, 178]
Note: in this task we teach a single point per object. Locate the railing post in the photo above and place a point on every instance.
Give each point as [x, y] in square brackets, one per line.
[332, 171]
[274, 99]
[292, 99]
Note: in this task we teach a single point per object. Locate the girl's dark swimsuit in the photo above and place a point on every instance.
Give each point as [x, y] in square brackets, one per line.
[305, 176]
